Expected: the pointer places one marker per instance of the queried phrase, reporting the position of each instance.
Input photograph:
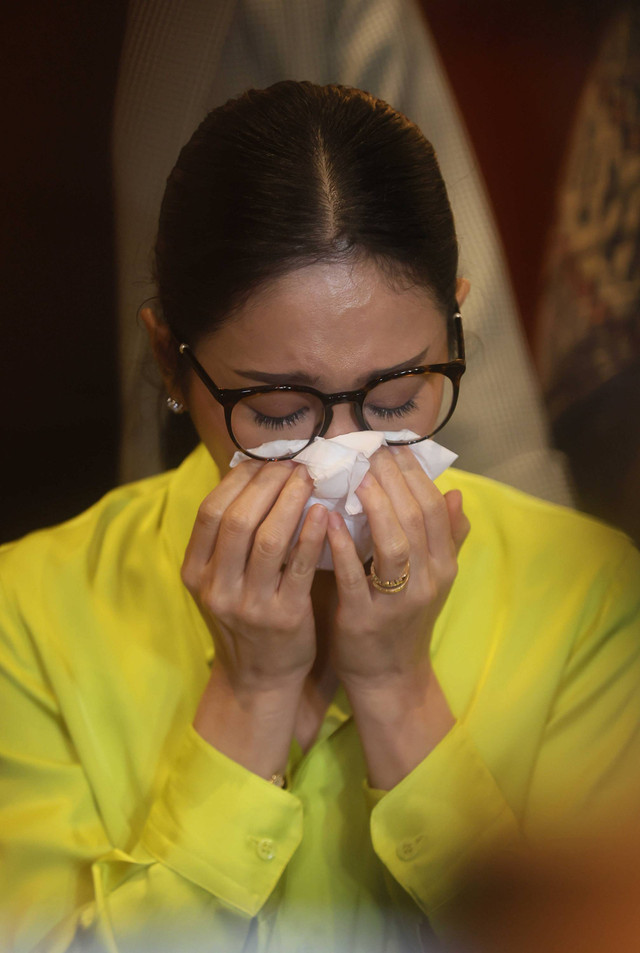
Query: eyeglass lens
(419, 402)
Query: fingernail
(301, 473)
(335, 520)
(317, 513)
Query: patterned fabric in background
(588, 345)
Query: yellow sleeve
(585, 764)
(437, 819)
(589, 757)
(212, 849)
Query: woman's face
(331, 326)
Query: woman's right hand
(258, 611)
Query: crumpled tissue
(337, 467)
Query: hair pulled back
(293, 175)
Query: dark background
(516, 68)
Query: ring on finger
(390, 585)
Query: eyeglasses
(420, 399)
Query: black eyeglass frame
(229, 397)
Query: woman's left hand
(380, 641)
(382, 637)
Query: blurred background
(548, 92)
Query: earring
(175, 406)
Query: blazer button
(265, 849)
(407, 850)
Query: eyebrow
(307, 380)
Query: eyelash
(386, 413)
(278, 423)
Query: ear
(165, 352)
(462, 290)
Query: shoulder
(538, 577)
(531, 534)
(128, 520)
(76, 596)
(56, 584)
(79, 537)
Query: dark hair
(292, 175)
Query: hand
(385, 636)
(259, 614)
(380, 642)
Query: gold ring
(390, 585)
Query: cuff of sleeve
(437, 819)
(222, 827)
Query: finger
(273, 536)
(207, 523)
(458, 520)
(391, 547)
(301, 566)
(407, 508)
(241, 520)
(435, 512)
(351, 582)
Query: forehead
(328, 321)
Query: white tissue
(337, 467)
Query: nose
(344, 420)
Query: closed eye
(279, 423)
(388, 413)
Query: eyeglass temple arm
(199, 369)
(457, 321)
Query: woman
(212, 744)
